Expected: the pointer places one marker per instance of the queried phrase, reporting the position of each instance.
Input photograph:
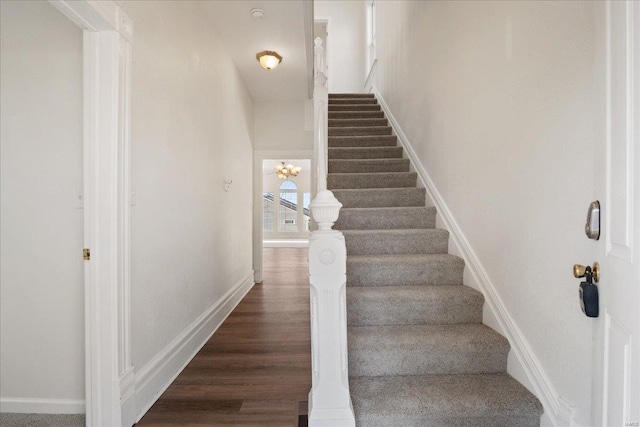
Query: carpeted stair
(419, 354)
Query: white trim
(559, 411)
(307, 6)
(107, 59)
(156, 376)
(128, 397)
(368, 82)
(96, 16)
(41, 406)
(285, 243)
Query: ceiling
(281, 29)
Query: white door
(616, 376)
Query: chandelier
(287, 171)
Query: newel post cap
(325, 209)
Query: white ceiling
(281, 29)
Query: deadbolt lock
(582, 271)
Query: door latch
(86, 254)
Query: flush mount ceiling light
(287, 171)
(268, 59)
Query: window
(306, 199)
(267, 212)
(288, 207)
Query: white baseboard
(156, 376)
(285, 243)
(42, 406)
(128, 398)
(557, 409)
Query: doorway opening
(285, 202)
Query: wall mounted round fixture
(268, 59)
(256, 14)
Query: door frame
(616, 330)
(258, 157)
(107, 59)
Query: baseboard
(368, 81)
(285, 243)
(156, 376)
(128, 398)
(558, 410)
(42, 406)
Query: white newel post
(329, 399)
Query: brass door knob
(581, 271)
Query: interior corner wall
(283, 125)
(41, 267)
(192, 128)
(502, 103)
(346, 43)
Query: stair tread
(373, 174)
(391, 209)
(351, 94)
(408, 258)
(441, 396)
(396, 232)
(428, 337)
(366, 161)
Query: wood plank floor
(256, 369)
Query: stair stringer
(525, 366)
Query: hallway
(256, 369)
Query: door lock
(588, 292)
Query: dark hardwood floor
(256, 369)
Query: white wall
(192, 127)
(283, 125)
(346, 43)
(41, 290)
(502, 105)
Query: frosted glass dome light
(268, 59)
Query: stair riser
(356, 122)
(363, 141)
(412, 421)
(372, 308)
(359, 101)
(368, 166)
(429, 241)
(351, 95)
(348, 107)
(421, 361)
(369, 219)
(355, 131)
(337, 181)
(404, 273)
(364, 153)
(346, 115)
(381, 198)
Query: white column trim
(108, 42)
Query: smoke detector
(256, 14)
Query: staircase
(419, 354)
